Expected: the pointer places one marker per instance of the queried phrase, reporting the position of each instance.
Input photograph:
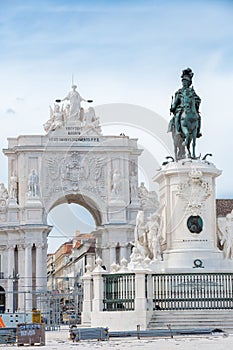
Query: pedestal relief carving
(194, 192)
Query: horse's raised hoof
(194, 157)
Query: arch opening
(83, 201)
(69, 217)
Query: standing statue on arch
(33, 184)
(186, 122)
(75, 100)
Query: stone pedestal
(117, 211)
(33, 211)
(13, 212)
(140, 291)
(187, 192)
(97, 302)
(87, 299)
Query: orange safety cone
(2, 324)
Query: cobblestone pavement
(59, 340)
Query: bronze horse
(178, 141)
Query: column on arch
(41, 276)
(10, 272)
(112, 253)
(21, 280)
(44, 265)
(40, 267)
(28, 276)
(124, 251)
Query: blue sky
(115, 32)
(118, 52)
(120, 43)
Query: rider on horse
(186, 122)
(181, 96)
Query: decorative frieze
(77, 172)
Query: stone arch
(97, 210)
(71, 163)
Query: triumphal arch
(73, 162)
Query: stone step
(194, 317)
(180, 314)
(185, 319)
(192, 312)
(204, 324)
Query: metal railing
(193, 291)
(119, 292)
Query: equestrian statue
(185, 124)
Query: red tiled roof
(84, 236)
(223, 207)
(77, 244)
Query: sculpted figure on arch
(91, 121)
(75, 100)
(33, 184)
(3, 191)
(186, 122)
(56, 119)
(13, 186)
(116, 182)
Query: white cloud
(10, 111)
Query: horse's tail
(171, 125)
